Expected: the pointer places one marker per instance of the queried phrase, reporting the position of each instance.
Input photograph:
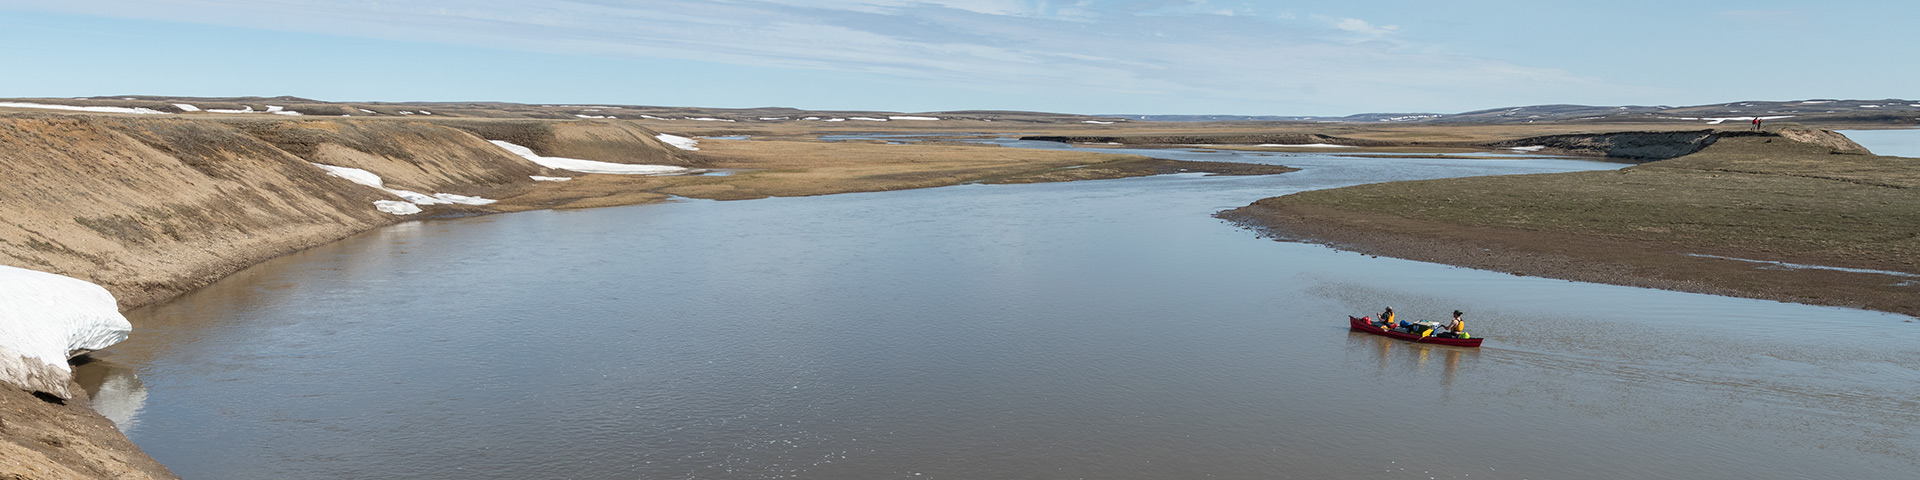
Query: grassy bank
(788, 168)
(1765, 198)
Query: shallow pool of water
(1106, 329)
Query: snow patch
(354, 175)
(587, 166)
(44, 319)
(396, 207)
(365, 110)
(1305, 145)
(869, 119)
(1096, 122)
(594, 116)
(1529, 148)
(1720, 120)
(708, 119)
(371, 179)
(186, 107)
(770, 119)
(139, 110)
(1815, 102)
(912, 117)
(538, 178)
(463, 199)
(679, 142)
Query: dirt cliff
(151, 207)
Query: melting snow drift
(679, 142)
(588, 166)
(140, 110)
(413, 198)
(44, 319)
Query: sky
(1077, 56)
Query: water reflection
(1400, 357)
(115, 389)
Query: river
(1103, 329)
(1895, 143)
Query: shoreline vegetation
(152, 207)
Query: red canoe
(1361, 325)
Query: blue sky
(1080, 56)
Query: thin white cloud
(1359, 26)
(1191, 49)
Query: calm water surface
(1897, 143)
(1107, 329)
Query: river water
(1104, 329)
(1895, 143)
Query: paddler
(1386, 319)
(1458, 327)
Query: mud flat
(1796, 215)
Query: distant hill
(1887, 111)
(1894, 111)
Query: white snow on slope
(582, 115)
(44, 318)
(1532, 148)
(354, 175)
(365, 110)
(679, 142)
(1306, 145)
(463, 199)
(870, 119)
(538, 178)
(911, 117)
(140, 110)
(708, 119)
(396, 207)
(186, 107)
(1096, 122)
(587, 166)
(371, 179)
(246, 109)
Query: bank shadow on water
(1105, 329)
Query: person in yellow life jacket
(1386, 318)
(1458, 327)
